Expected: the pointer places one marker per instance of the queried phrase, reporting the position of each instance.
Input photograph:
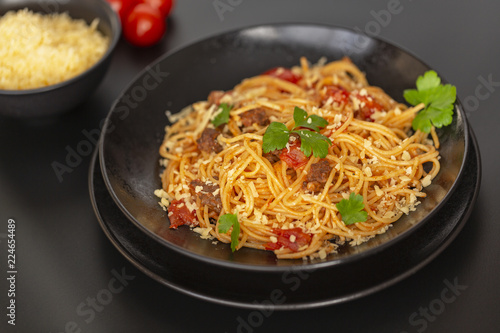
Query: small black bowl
(134, 131)
(64, 96)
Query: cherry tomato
(144, 25)
(164, 6)
(337, 93)
(122, 7)
(293, 156)
(179, 215)
(368, 107)
(283, 235)
(284, 74)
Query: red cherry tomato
(337, 93)
(368, 107)
(300, 239)
(144, 25)
(284, 74)
(293, 156)
(164, 6)
(122, 7)
(179, 214)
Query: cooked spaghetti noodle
(285, 201)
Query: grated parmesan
(406, 156)
(368, 171)
(426, 181)
(42, 50)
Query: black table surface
(70, 278)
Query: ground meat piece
(317, 176)
(273, 156)
(215, 96)
(256, 116)
(208, 141)
(208, 193)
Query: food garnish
(223, 116)
(227, 221)
(351, 209)
(438, 99)
(307, 127)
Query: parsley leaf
(438, 99)
(227, 221)
(312, 142)
(223, 116)
(276, 137)
(313, 122)
(352, 210)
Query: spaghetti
(285, 201)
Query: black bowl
(134, 130)
(67, 95)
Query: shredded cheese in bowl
(39, 50)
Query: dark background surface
(64, 259)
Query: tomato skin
(164, 6)
(179, 214)
(283, 74)
(122, 7)
(370, 106)
(293, 156)
(144, 26)
(337, 93)
(283, 236)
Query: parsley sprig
(439, 100)
(223, 116)
(351, 210)
(227, 221)
(307, 127)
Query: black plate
(299, 288)
(135, 127)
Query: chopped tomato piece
(368, 106)
(292, 239)
(179, 214)
(338, 94)
(293, 156)
(284, 74)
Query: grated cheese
(368, 171)
(405, 178)
(406, 156)
(42, 50)
(426, 181)
(204, 232)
